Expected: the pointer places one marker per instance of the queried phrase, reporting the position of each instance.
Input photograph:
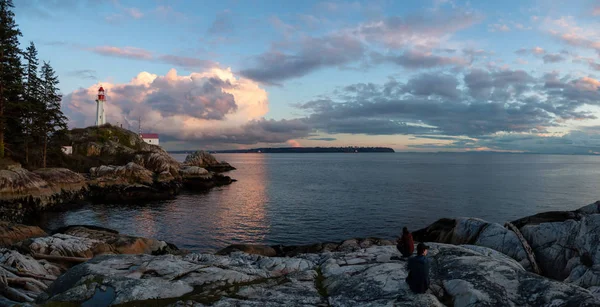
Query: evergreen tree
(33, 104)
(53, 120)
(11, 73)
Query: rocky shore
(108, 164)
(473, 263)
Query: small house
(67, 150)
(150, 138)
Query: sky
(416, 76)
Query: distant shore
(302, 150)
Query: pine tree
(11, 73)
(33, 104)
(53, 120)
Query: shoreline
(85, 260)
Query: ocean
(307, 198)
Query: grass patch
(320, 285)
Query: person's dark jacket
(406, 245)
(418, 274)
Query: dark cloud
(201, 99)
(491, 102)
(429, 84)
(254, 132)
(415, 35)
(413, 59)
(186, 62)
(84, 74)
(553, 58)
(322, 139)
(223, 24)
(575, 142)
(314, 53)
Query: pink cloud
(213, 106)
(134, 12)
(125, 52)
(293, 143)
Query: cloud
(566, 30)
(591, 62)
(419, 59)
(426, 29)
(142, 54)
(134, 12)
(490, 102)
(430, 84)
(209, 107)
(125, 52)
(578, 141)
(52, 8)
(553, 58)
(322, 139)
(313, 53)
(544, 55)
(84, 74)
(415, 35)
(498, 28)
(293, 143)
(222, 24)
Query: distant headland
(302, 150)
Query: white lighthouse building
(100, 118)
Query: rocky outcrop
(33, 264)
(350, 245)
(461, 276)
(23, 278)
(11, 233)
(475, 232)
(199, 179)
(90, 241)
(130, 182)
(207, 161)
(568, 250)
(23, 193)
(565, 244)
(158, 161)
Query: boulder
(90, 241)
(23, 193)
(476, 232)
(568, 250)
(26, 278)
(131, 182)
(294, 250)
(131, 173)
(461, 276)
(158, 161)
(196, 178)
(11, 233)
(207, 161)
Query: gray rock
(461, 275)
(568, 250)
(475, 232)
(205, 160)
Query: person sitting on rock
(418, 270)
(406, 245)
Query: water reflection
(196, 221)
(307, 198)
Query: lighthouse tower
(100, 119)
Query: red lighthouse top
(101, 94)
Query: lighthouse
(100, 119)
